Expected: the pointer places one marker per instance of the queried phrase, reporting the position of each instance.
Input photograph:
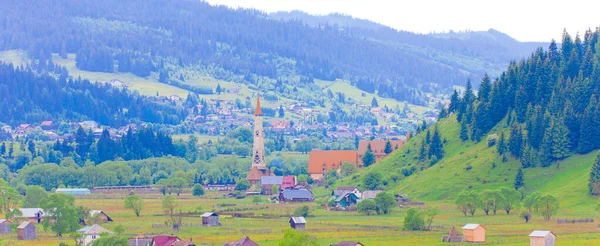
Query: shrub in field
(303, 211)
(366, 206)
(256, 199)
(416, 220)
(297, 238)
(198, 190)
(384, 202)
(135, 203)
(547, 205)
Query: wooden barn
(26, 231)
(100, 216)
(474, 233)
(542, 238)
(453, 236)
(298, 223)
(245, 241)
(210, 219)
(5, 226)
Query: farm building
(287, 182)
(245, 241)
(210, 219)
(453, 236)
(345, 189)
(542, 238)
(296, 195)
(346, 199)
(474, 233)
(347, 243)
(26, 231)
(378, 148)
(370, 194)
(298, 223)
(100, 216)
(33, 215)
(91, 233)
(74, 191)
(5, 226)
(321, 161)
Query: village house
(210, 219)
(378, 148)
(347, 243)
(267, 183)
(89, 234)
(100, 216)
(169, 241)
(26, 231)
(321, 161)
(5, 227)
(474, 233)
(280, 124)
(245, 241)
(298, 223)
(89, 124)
(33, 215)
(542, 238)
(370, 194)
(287, 182)
(340, 190)
(48, 125)
(347, 199)
(296, 195)
(6, 128)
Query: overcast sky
(525, 20)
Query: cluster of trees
(507, 199)
(550, 102)
(419, 220)
(382, 204)
(163, 77)
(28, 98)
(432, 147)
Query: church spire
(258, 111)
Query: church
(259, 166)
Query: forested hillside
(28, 97)
(143, 36)
(539, 113)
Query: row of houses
(476, 233)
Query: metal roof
(471, 226)
(540, 233)
(31, 212)
(93, 230)
(72, 189)
(271, 180)
(297, 194)
(208, 214)
(298, 220)
(23, 225)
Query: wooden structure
(5, 226)
(346, 199)
(474, 233)
(296, 195)
(321, 161)
(542, 238)
(347, 243)
(26, 231)
(453, 236)
(89, 234)
(245, 241)
(210, 219)
(33, 215)
(100, 216)
(298, 223)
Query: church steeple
(258, 111)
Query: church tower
(259, 166)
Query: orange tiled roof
(255, 174)
(329, 159)
(378, 146)
(258, 111)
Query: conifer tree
(219, 90)
(464, 130)
(515, 143)
(369, 158)
(428, 137)
(501, 146)
(374, 103)
(519, 180)
(560, 139)
(436, 148)
(388, 148)
(454, 102)
(588, 135)
(423, 152)
(281, 112)
(3, 149)
(594, 181)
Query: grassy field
(327, 226)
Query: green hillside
(567, 180)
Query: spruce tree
(31, 147)
(519, 180)
(588, 134)
(464, 130)
(11, 150)
(3, 149)
(594, 181)
(374, 103)
(219, 90)
(501, 146)
(454, 102)
(281, 112)
(436, 148)
(560, 140)
(423, 152)
(388, 148)
(515, 143)
(369, 158)
(428, 137)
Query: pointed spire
(258, 111)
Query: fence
(566, 221)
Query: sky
(524, 20)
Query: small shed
(542, 238)
(210, 219)
(26, 231)
(298, 223)
(348, 243)
(5, 226)
(453, 236)
(474, 233)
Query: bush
(303, 211)
(413, 221)
(256, 199)
(384, 203)
(408, 171)
(198, 190)
(367, 207)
